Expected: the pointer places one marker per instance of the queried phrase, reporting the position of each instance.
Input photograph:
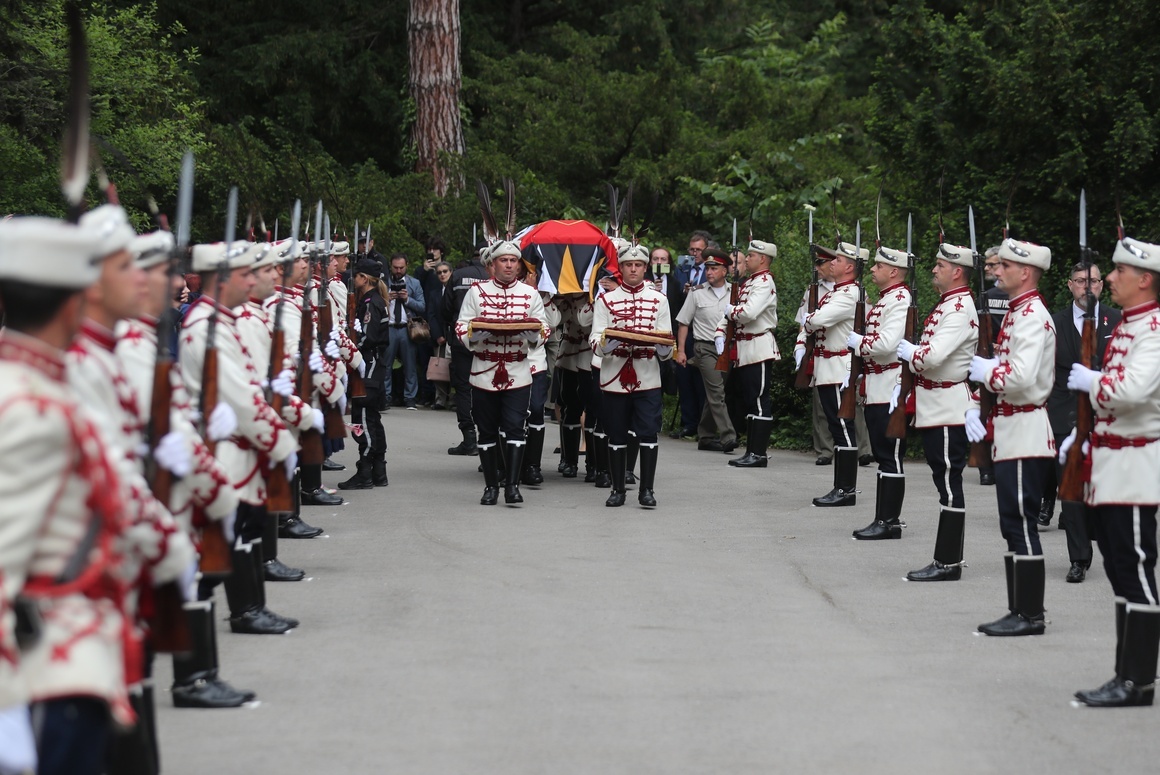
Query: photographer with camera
(405, 301)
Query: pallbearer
(500, 321)
(885, 326)
(832, 322)
(538, 363)
(1125, 457)
(574, 370)
(1021, 376)
(941, 397)
(755, 321)
(632, 330)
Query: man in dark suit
(690, 389)
(1061, 405)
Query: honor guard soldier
(500, 321)
(624, 322)
(574, 370)
(205, 489)
(885, 327)
(703, 309)
(1021, 376)
(262, 438)
(833, 321)
(754, 319)
(1124, 458)
(941, 397)
(63, 522)
(538, 363)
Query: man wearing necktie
(405, 300)
(690, 388)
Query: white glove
(663, 350)
(317, 420)
(531, 336)
(188, 582)
(17, 744)
(357, 323)
(798, 354)
(976, 431)
(906, 350)
(174, 455)
(195, 415)
(333, 351)
(228, 522)
(283, 384)
(362, 368)
(479, 336)
(222, 422)
(1081, 378)
(720, 344)
(316, 363)
(845, 383)
(981, 368)
(341, 403)
(609, 345)
(1066, 445)
(854, 341)
(894, 396)
(291, 465)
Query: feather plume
(509, 189)
(74, 158)
(626, 223)
(613, 210)
(490, 232)
(646, 222)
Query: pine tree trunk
(433, 36)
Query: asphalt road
(734, 629)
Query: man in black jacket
(1061, 405)
(461, 281)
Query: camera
(430, 256)
(685, 260)
(665, 269)
(398, 285)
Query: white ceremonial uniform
(832, 322)
(261, 435)
(328, 382)
(1125, 455)
(60, 491)
(538, 355)
(256, 330)
(1022, 380)
(500, 362)
(942, 359)
(630, 368)
(885, 326)
(755, 316)
(575, 326)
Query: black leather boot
(570, 450)
(379, 469)
(630, 456)
(648, 474)
(489, 459)
(948, 548)
(887, 507)
(466, 447)
(514, 462)
(533, 453)
(1046, 509)
(362, 477)
(1027, 616)
(845, 492)
(195, 675)
(275, 569)
(589, 456)
(292, 526)
(756, 442)
(1138, 641)
(321, 497)
(602, 480)
(616, 462)
(246, 596)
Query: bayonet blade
(231, 219)
(295, 219)
(1082, 218)
(810, 210)
(734, 244)
(318, 225)
(971, 226)
(326, 231)
(909, 232)
(857, 238)
(74, 158)
(369, 237)
(275, 230)
(184, 201)
(355, 251)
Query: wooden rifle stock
(850, 394)
(725, 360)
(896, 427)
(1071, 482)
(279, 498)
(311, 440)
(215, 549)
(806, 372)
(358, 387)
(980, 454)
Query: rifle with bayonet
(849, 398)
(335, 427)
(806, 372)
(896, 427)
(980, 453)
(728, 356)
(357, 383)
(215, 550)
(310, 439)
(1072, 480)
(279, 494)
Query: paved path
(735, 629)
